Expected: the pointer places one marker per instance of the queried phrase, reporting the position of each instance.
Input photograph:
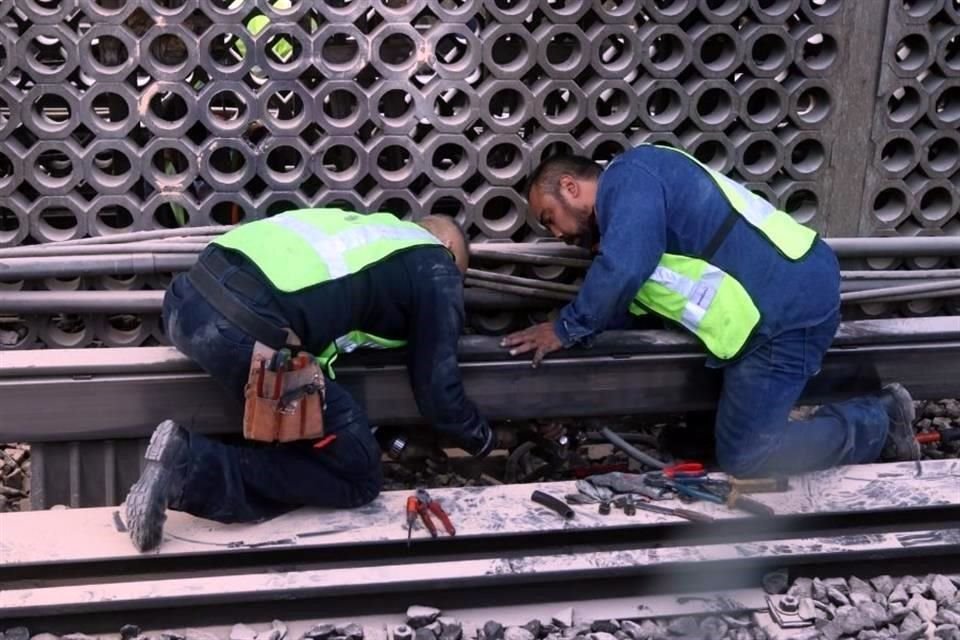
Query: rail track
(75, 570)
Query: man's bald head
(448, 232)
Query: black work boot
(161, 479)
(901, 440)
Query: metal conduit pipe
(492, 276)
(872, 285)
(523, 291)
(46, 251)
(15, 269)
(641, 457)
(145, 235)
(916, 274)
(909, 297)
(860, 296)
(530, 258)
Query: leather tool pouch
(284, 397)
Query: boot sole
(146, 506)
(909, 413)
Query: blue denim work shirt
(652, 201)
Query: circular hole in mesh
(903, 105)
(124, 325)
(508, 50)
(280, 206)
(110, 108)
(560, 105)
(712, 153)
(500, 213)
(398, 207)
(53, 168)
(66, 329)
(52, 108)
(564, 7)
(556, 149)
(9, 225)
(769, 52)
(111, 162)
(670, 8)
(227, 161)
(666, 52)
(109, 51)
(505, 104)
(169, 161)
(813, 105)
(447, 206)
(451, 104)
(227, 106)
(718, 52)
(612, 105)
(168, 106)
(808, 156)
(505, 158)
(714, 106)
(764, 105)
(947, 106)
(606, 151)
(227, 212)
(613, 49)
(6, 168)
(340, 49)
(227, 51)
(284, 159)
(819, 51)
(340, 105)
(664, 105)
(168, 50)
(58, 223)
(48, 52)
(919, 8)
(510, 6)
(943, 154)
(394, 104)
(452, 48)
(167, 6)
(48, 7)
(722, 7)
(171, 216)
(563, 49)
(951, 53)
(448, 157)
(115, 217)
(340, 159)
(824, 8)
(912, 52)
(802, 205)
(897, 155)
(760, 157)
(397, 49)
(285, 105)
(889, 204)
(936, 204)
(395, 161)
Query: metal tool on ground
(686, 514)
(773, 484)
(429, 505)
(710, 490)
(947, 435)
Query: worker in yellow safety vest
(328, 281)
(759, 290)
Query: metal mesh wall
(118, 115)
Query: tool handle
(738, 501)
(427, 522)
(552, 503)
(693, 516)
(438, 511)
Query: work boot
(901, 441)
(161, 480)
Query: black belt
(205, 277)
(725, 227)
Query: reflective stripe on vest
(710, 303)
(790, 237)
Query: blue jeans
(252, 481)
(754, 435)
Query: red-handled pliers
(428, 505)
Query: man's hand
(541, 339)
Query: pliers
(423, 504)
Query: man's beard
(587, 231)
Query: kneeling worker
(329, 281)
(761, 292)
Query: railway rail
(83, 574)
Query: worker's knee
(742, 463)
(368, 489)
